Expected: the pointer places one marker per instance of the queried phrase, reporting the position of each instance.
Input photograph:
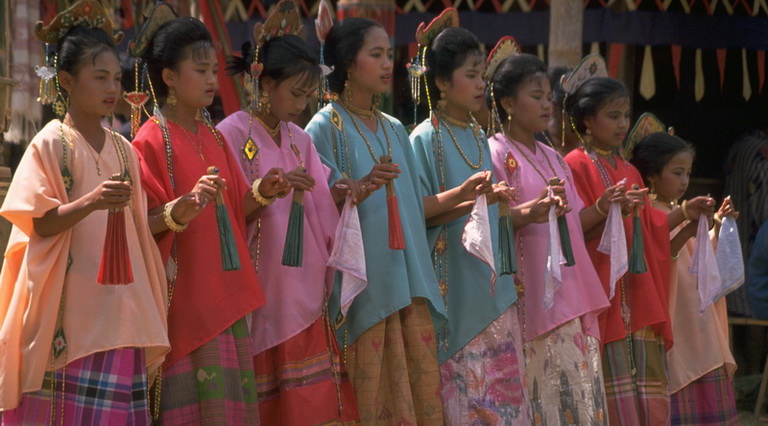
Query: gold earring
(589, 131)
(652, 193)
(264, 106)
(171, 99)
(375, 102)
(347, 94)
(441, 103)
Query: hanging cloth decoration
(704, 265)
(508, 265)
(614, 244)
(677, 51)
(730, 262)
(348, 255)
(396, 238)
(698, 80)
(760, 70)
(637, 263)
(746, 85)
(720, 54)
(477, 239)
(230, 259)
(115, 266)
(293, 251)
(553, 278)
(647, 75)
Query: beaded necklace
(365, 139)
(522, 150)
(443, 118)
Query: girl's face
(673, 180)
(465, 90)
(531, 109)
(289, 97)
(95, 88)
(194, 81)
(371, 72)
(610, 124)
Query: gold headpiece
(590, 67)
(85, 13)
(159, 15)
(505, 48)
(645, 125)
(425, 33)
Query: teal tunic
(394, 276)
(471, 307)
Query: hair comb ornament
(644, 126)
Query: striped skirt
(213, 385)
(642, 398)
(484, 382)
(565, 377)
(707, 401)
(105, 388)
(302, 382)
(393, 367)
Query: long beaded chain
(442, 119)
(522, 150)
(367, 143)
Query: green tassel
(565, 241)
(637, 254)
(293, 251)
(230, 260)
(507, 246)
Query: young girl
(700, 363)
(388, 335)
(480, 349)
(208, 376)
(562, 341)
(73, 348)
(293, 328)
(636, 329)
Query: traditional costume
(636, 328)
(75, 350)
(208, 376)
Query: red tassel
(115, 267)
(676, 55)
(396, 238)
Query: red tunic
(648, 293)
(206, 299)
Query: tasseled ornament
(136, 100)
(508, 265)
(230, 259)
(637, 252)
(396, 238)
(115, 267)
(47, 84)
(565, 234)
(293, 251)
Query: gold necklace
(91, 150)
(196, 142)
(272, 131)
(455, 121)
(602, 152)
(365, 114)
(528, 159)
(370, 147)
(461, 151)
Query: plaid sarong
(104, 388)
(214, 384)
(642, 399)
(707, 401)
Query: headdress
(425, 34)
(84, 13)
(158, 16)
(645, 125)
(323, 25)
(591, 66)
(505, 48)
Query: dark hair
(341, 47)
(81, 43)
(283, 57)
(512, 73)
(654, 152)
(175, 41)
(591, 96)
(555, 75)
(447, 52)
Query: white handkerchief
(614, 244)
(553, 277)
(477, 237)
(348, 255)
(704, 265)
(730, 262)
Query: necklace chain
(367, 143)
(458, 147)
(365, 114)
(530, 161)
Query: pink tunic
(581, 295)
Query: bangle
(172, 224)
(718, 219)
(676, 256)
(685, 213)
(627, 215)
(599, 210)
(264, 201)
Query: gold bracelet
(718, 219)
(264, 201)
(676, 256)
(599, 210)
(172, 224)
(685, 213)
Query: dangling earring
(375, 102)
(171, 99)
(652, 193)
(347, 94)
(442, 102)
(265, 107)
(61, 105)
